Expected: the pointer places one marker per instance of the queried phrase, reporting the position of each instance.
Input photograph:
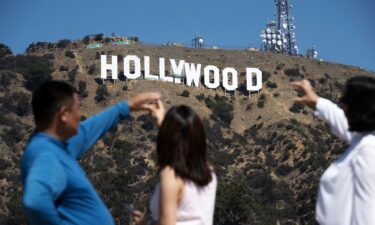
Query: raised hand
(310, 98)
(157, 111)
(140, 101)
(139, 218)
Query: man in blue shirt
(56, 189)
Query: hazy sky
(343, 31)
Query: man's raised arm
(96, 126)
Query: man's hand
(140, 101)
(139, 218)
(157, 111)
(310, 98)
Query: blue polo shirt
(56, 190)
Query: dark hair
(359, 98)
(182, 145)
(48, 99)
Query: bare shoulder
(169, 178)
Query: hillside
(268, 152)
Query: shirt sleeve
(44, 183)
(363, 209)
(93, 128)
(335, 117)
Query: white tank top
(196, 206)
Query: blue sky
(343, 31)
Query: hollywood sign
(181, 72)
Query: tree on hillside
(4, 50)
(86, 39)
(34, 69)
(16, 102)
(6, 79)
(82, 88)
(63, 43)
(101, 93)
(99, 37)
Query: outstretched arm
(44, 183)
(325, 109)
(335, 116)
(93, 128)
(96, 126)
(171, 191)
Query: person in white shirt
(186, 192)
(347, 188)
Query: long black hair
(182, 145)
(359, 99)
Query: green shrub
(296, 108)
(5, 80)
(82, 88)
(265, 75)
(200, 97)
(70, 54)
(16, 102)
(12, 136)
(63, 43)
(4, 50)
(86, 39)
(221, 108)
(294, 72)
(92, 69)
(185, 93)
(34, 69)
(63, 68)
(146, 122)
(261, 101)
(280, 66)
(72, 75)
(101, 93)
(99, 37)
(4, 164)
(271, 84)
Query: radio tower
(279, 35)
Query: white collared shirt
(347, 188)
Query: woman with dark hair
(347, 188)
(187, 188)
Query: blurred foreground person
(55, 188)
(187, 188)
(347, 188)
